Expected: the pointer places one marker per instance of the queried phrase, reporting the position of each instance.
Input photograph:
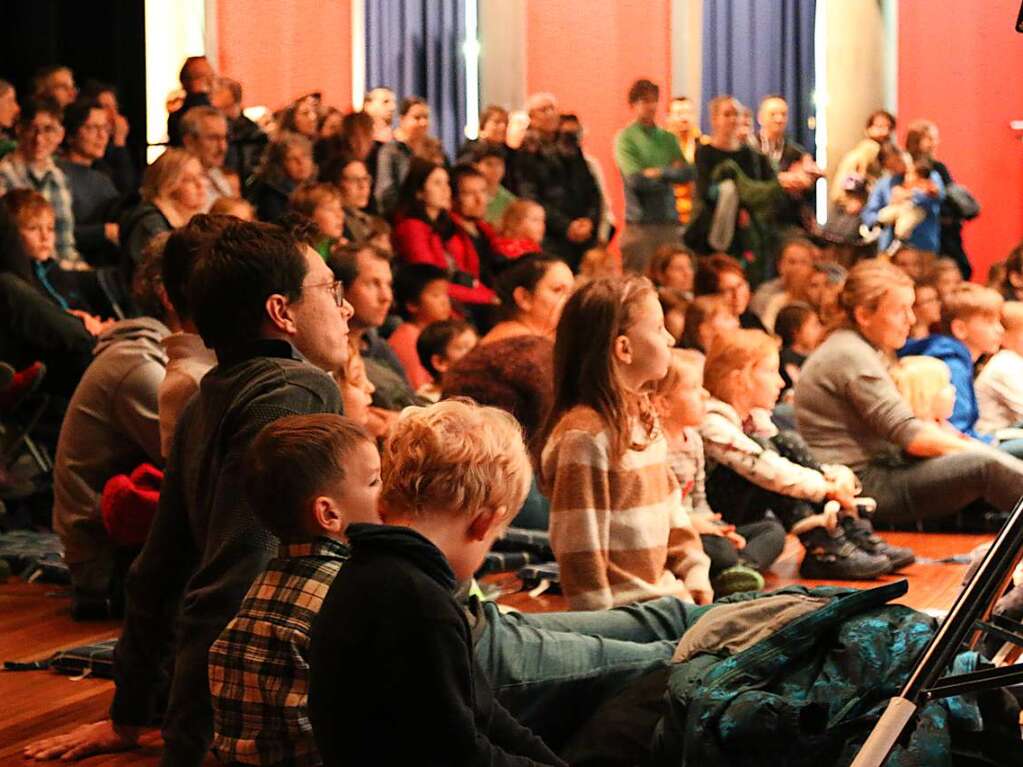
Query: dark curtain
(752, 48)
(99, 39)
(414, 47)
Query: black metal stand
(970, 618)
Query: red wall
(281, 49)
(960, 66)
(588, 54)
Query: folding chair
(968, 621)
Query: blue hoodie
(927, 235)
(960, 364)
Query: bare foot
(98, 738)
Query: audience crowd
(669, 396)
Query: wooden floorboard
(35, 621)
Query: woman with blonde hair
(172, 192)
(850, 412)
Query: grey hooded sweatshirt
(112, 425)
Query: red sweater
(416, 242)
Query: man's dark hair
(147, 280)
(485, 149)
(94, 88)
(344, 262)
(292, 461)
(183, 76)
(232, 279)
(408, 102)
(43, 74)
(76, 114)
(643, 89)
(183, 249)
(459, 173)
(301, 227)
(789, 320)
(46, 106)
(888, 150)
(434, 340)
(410, 280)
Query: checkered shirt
(53, 185)
(258, 668)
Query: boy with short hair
(394, 678)
(421, 297)
(307, 477)
(971, 326)
(439, 346)
(999, 386)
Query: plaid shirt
(259, 673)
(53, 185)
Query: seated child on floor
(706, 318)
(999, 387)
(439, 346)
(604, 462)
(753, 468)
(800, 331)
(393, 676)
(736, 554)
(307, 477)
(421, 297)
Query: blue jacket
(927, 236)
(960, 364)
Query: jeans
(929, 488)
(552, 670)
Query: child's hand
(702, 595)
(737, 540)
(705, 524)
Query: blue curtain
(755, 47)
(415, 48)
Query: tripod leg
(885, 733)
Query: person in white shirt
(999, 387)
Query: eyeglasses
(42, 130)
(104, 128)
(336, 288)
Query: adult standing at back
(410, 140)
(651, 164)
(196, 78)
(922, 140)
(794, 165)
(849, 412)
(558, 178)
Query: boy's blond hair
(969, 300)
(740, 350)
(682, 364)
(455, 457)
(919, 380)
(1012, 315)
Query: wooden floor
(35, 622)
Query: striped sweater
(620, 533)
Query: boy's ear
(439, 362)
(958, 328)
(327, 515)
(485, 521)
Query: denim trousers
(552, 670)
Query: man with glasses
(31, 166)
(94, 197)
(204, 133)
(275, 316)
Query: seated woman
(302, 117)
(353, 180)
(411, 139)
(287, 164)
(172, 192)
(424, 233)
(850, 412)
(673, 266)
(723, 275)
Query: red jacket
(416, 242)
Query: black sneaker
(861, 533)
(832, 556)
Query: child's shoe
(736, 579)
(832, 556)
(861, 533)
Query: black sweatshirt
(393, 678)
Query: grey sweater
(847, 407)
